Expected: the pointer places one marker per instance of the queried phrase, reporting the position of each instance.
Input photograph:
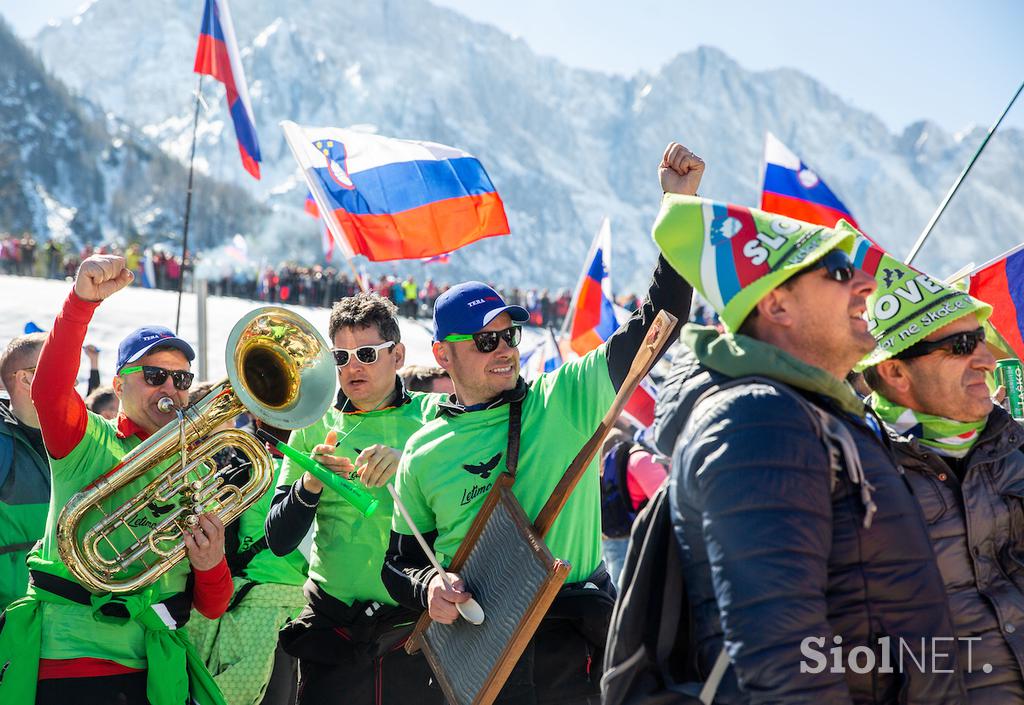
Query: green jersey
(348, 548)
(449, 466)
(70, 630)
(265, 567)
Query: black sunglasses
(367, 354)
(957, 344)
(487, 341)
(840, 267)
(155, 376)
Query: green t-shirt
(348, 548)
(448, 467)
(265, 567)
(71, 631)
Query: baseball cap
(468, 307)
(141, 340)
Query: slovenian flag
(593, 309)
(1000, 284)
(792, 189)
(391, 199)
(217, 56)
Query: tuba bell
(280, 370)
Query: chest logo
(483, 469)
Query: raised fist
(680, 170)
(99, 276)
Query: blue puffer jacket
(777, 559)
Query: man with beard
(790, 548)
(962, 457)
(448, 467)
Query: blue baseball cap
(141, 340)
(468, 307)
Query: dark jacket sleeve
(407, 571)
(752, 509)
(667, 291)
(288, 520)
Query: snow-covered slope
(564, 146)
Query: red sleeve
(212, 590)
(62, 413)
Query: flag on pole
(1000, 283)
(593, 308)
(794, 190)
(147, 276)
(217, 56)
(394, 199)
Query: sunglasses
(487, 341)
(957, 344)
(155, 376)
(367, 354)
(840, 267)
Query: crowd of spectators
(316, 285)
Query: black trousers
(396, 678)
(283, 686)
(558, 667)
(126, 689)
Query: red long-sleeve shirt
(63, 418)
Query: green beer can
(1010, 375)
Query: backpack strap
(515, 430)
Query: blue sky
(951, 61)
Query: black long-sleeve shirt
(407, 572)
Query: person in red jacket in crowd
(61, 639)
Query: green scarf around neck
(947, 437)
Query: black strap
(15, 547)
(178, 605)
(515, 429)
(240, 594)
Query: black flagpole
(963, 175)
(188, 203)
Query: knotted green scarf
(945, 436)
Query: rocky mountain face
(70, 171)
(563, 146)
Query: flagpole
(188, 203)
(571, 313)
(956, 185)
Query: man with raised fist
(62, 638)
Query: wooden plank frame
(531, 534)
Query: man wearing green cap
(804, 555)
(963, 460)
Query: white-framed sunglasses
(366, 354)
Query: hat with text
(141, 340)
(734, 255)
(468, 307)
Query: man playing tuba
(61, 641)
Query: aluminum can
(1010, 374)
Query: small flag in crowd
(217, 55)
(640, 407)
(147, 276)
(394, 199)
(593, 309)
(1000, 284)
(546, 357)
(437, 259)
(326, 241)
(792, 189)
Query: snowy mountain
(564, 146)
(69, 170)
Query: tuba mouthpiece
(166, 405)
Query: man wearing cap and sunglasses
(62, 642)
(807, 568)
(448, 467)
(349, 638)
(962, 457)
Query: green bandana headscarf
(945, 436)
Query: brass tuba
(280, 370)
